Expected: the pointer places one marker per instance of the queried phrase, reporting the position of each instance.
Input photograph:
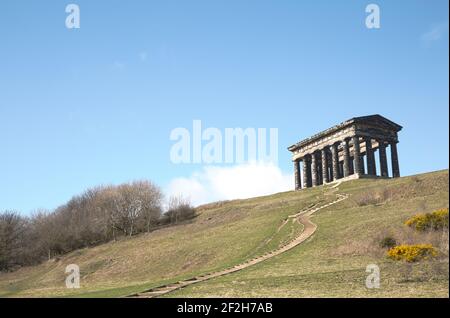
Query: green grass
(330, 264)
(333, 262)
(217, 238)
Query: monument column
(357, 155)
(394, 159)
(335, 161)
(352, 168)
(346, 166)
(330, 166)
(371, 169)
(324, 165)
(298, 181)
(306, 172)
(363, 165)
(383, 159)
(315, 177)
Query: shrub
(179, 209)
(412, 253)
(436, 220)
(388, 242)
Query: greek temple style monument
(347, 151)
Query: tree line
(99, 215)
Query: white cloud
(437, 32)
(214, 183)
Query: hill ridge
(223, 236)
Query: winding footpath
(303, 217)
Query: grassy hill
(332, 263)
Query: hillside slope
(332, 263)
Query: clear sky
(96, 105)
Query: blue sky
(96, 105)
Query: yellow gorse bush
(435, 220)
(412, 253)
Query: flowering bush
(412, 253)
(435, 220)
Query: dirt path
(302, 217)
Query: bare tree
(150, 197)
(12, 230)
(179, 208)
(97, 215)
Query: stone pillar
(306, 172)
(374, 162)
(330, 166)
(394, 159)
(371, 169)
(319, 169)
(346, 167)
(357, 155)
(298, 181)
(352, 168)
(383, 159)
(335, 161)
(315, 176)
(324, 165)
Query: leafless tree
(179, 208)
(150, 197)
(97, 215)
(12, 230)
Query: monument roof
(371, 119)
